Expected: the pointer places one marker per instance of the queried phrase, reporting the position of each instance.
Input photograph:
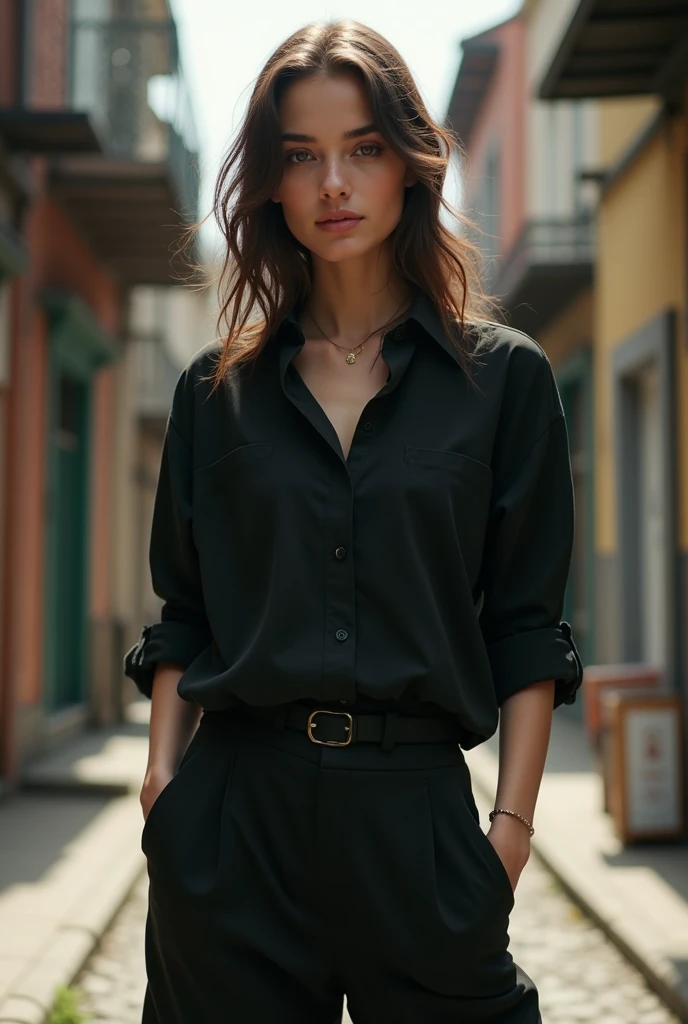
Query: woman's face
(324, 171)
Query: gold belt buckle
(330, 743)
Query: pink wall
(25, 490)
(50, 49)
(59, 257)
(503, 114)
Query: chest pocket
(441, 483)
(245, 453)
(470, 469)
(231, 496)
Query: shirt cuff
(536, 655)
(178, 643)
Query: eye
(371, 145)
(295, 152)
(291, 157)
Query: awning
(48, 131)
(621, 48)
(134, 214)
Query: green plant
(66, 1007)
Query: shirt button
(341, 634)
(368, 426)
(340, 552)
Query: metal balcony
(549, 265)
(134, 200)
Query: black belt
(331, 728)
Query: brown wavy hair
(266, 269)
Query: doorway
(651, 519)
(645, 457)
(66, 612)
(574, 380)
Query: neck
(350, 302)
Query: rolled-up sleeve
(527, 555)
(183, 631)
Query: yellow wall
(641, 271)
(620, 122)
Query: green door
(78, 348)
(68, 530)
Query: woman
(361, 536)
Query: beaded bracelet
(503, 810)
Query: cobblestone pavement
(580, 975)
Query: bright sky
(224, 45)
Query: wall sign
(645, 769)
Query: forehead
(330, 100)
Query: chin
(342, 254)
(335, 253)
(336, 249)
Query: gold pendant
(351, 358)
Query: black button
(341, 634)
(368, 425)
(340, 552)
(400, 332)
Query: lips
(340, 226)
(339, 215)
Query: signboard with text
(646, 773)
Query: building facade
(633, 62)
(526, 184)
(98, 176)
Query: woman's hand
(153, 784)
(511, 840)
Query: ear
(410, 179)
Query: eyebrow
(354, 133)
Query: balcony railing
(549, 265)
(565, 243)
(127, 74)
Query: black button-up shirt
(427, 569)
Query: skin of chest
(341, 390)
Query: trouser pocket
(470, 890)
(186, 835)
(492, 855)
(165, 793)
(459, 842)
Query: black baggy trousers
(284, 874)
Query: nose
(334, 181)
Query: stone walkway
(71, 854)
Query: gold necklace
(357, 349)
